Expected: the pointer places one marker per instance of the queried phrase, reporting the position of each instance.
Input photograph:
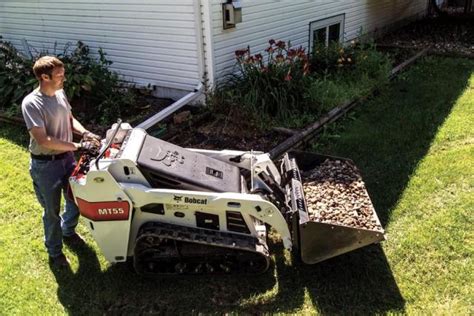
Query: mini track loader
(173, 210)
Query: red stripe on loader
(104, 211)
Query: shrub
(16, 78)
(341, 73)
(97, 93)
(287, 87)
(274, 87)
(334, 57)
(373, 65)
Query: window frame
(326, 23)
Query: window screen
(326, 31)
(320, 36)
(334, 33)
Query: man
(48, 117)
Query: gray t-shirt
(53, 113)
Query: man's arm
(86, 135)
(39, 134)
(77, 126)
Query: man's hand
(88, 146)
(91, 137)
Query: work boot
(74, 240)
(59, 261)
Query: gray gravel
(336, 194)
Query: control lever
(109, 143)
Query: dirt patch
(144, 107)
(444, 35)
(207, 130)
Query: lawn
(414, 144)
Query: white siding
(289, 20)
(156, 41)
(149, 41)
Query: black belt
(50, 157)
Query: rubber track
(167, 249)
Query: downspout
(201, 70)
(172, 108)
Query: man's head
(49, 70)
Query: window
(326, 31)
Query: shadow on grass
(394, 131)
(118, 290)
(14, 133)
(358, 282)
(390, 137)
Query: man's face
(57, 78)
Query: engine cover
(169, 166)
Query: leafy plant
(334, 57)
(16, 78)
(343, 73)
(97, 93)
(286, 87)
(272, 87)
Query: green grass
(415, 146)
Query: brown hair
(45, 65)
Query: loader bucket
(316, 240)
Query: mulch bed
(443, 35)
(235, 131)
(145, 107)
(207, 130)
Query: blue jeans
(50, 179)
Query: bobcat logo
(169, 158)
(178, 198)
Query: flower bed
(282, 86)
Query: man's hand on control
(89, 146)
(91, 137)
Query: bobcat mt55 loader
(172, 210)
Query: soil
(443, 35)
(203, 128)
(207, 130)
(145, 107)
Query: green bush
(373, 65)
(97, 93)
(16, 78)
(357, 71)
(274, 87)
(289, 88)
(335, 57)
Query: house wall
(149, 41)
(289, 20)
(159, 42)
